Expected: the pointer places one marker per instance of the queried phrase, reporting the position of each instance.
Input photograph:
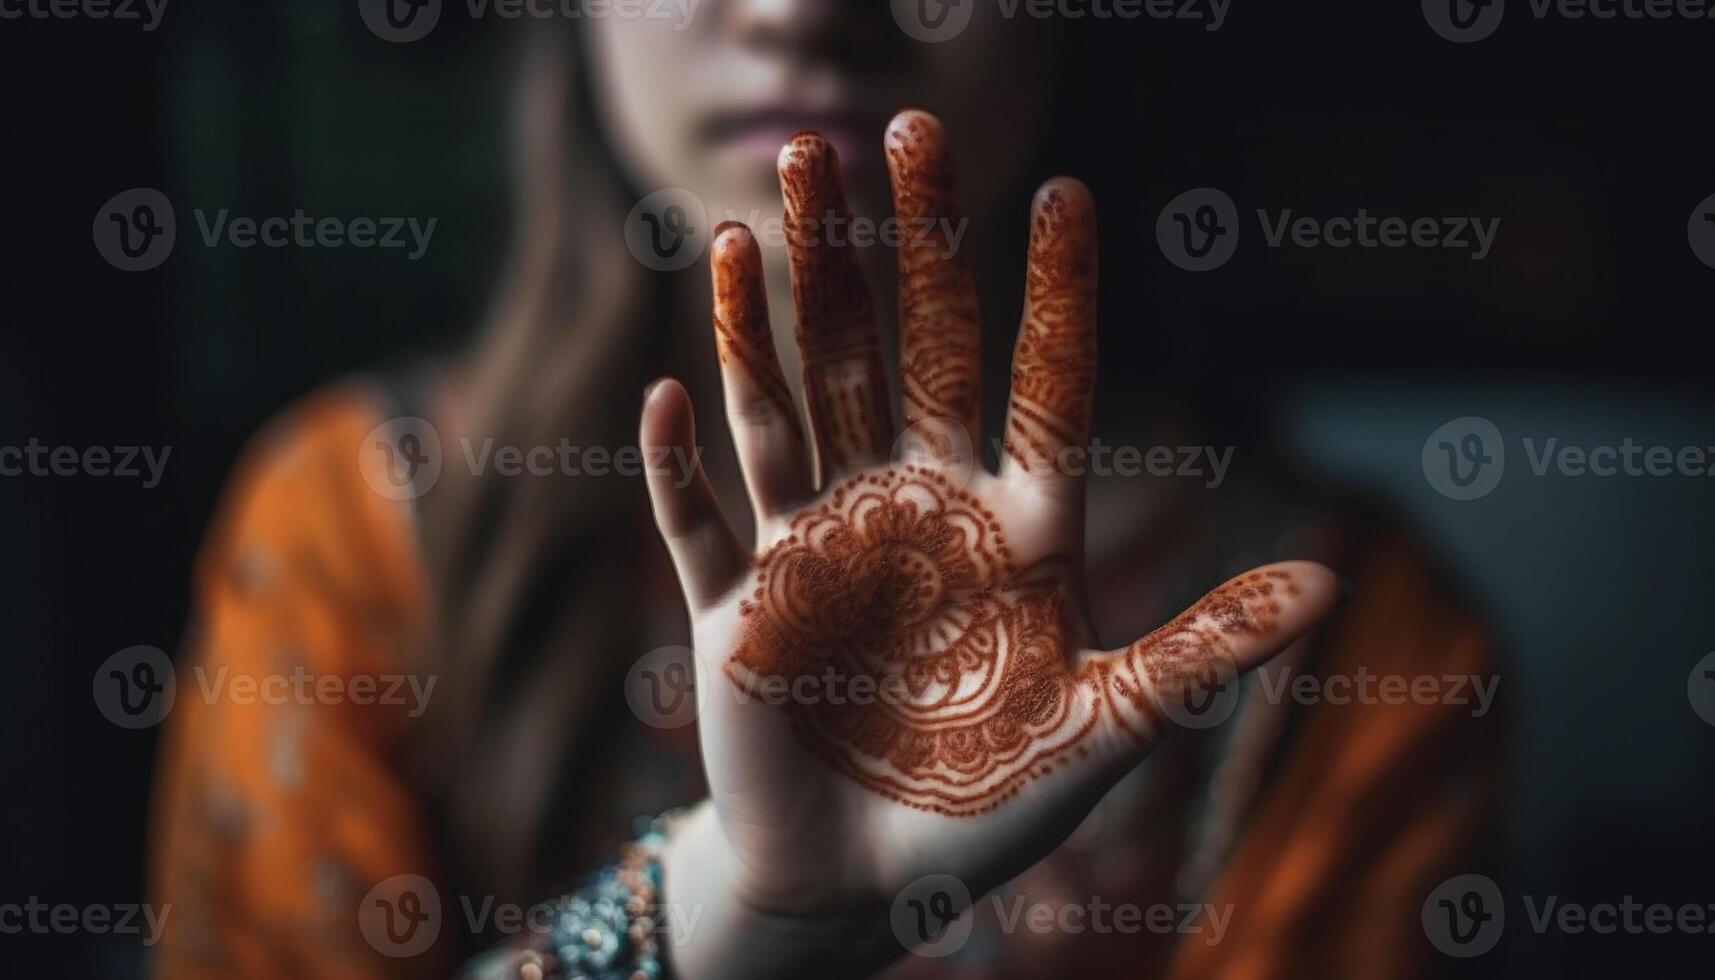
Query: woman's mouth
(759, 134)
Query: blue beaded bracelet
(607, 930)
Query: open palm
(901, 679)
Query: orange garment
(274, 822)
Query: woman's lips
(856, 137)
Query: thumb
(1172, 674)
(706, 554)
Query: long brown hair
(529, 575)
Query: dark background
(1592, 141)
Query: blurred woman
(289, 837)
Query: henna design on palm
(906, 582)
(958, 603)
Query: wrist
(713, 933)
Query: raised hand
(901, 678)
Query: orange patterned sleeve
(280, 802)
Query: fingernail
(649, 389)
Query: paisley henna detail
(940, 359)
(1054, 364)
(844, 381)
(742, 336)
(903, 579)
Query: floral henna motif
(939, 327)
(844, 381)
(1054, 365)
(906, 582)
